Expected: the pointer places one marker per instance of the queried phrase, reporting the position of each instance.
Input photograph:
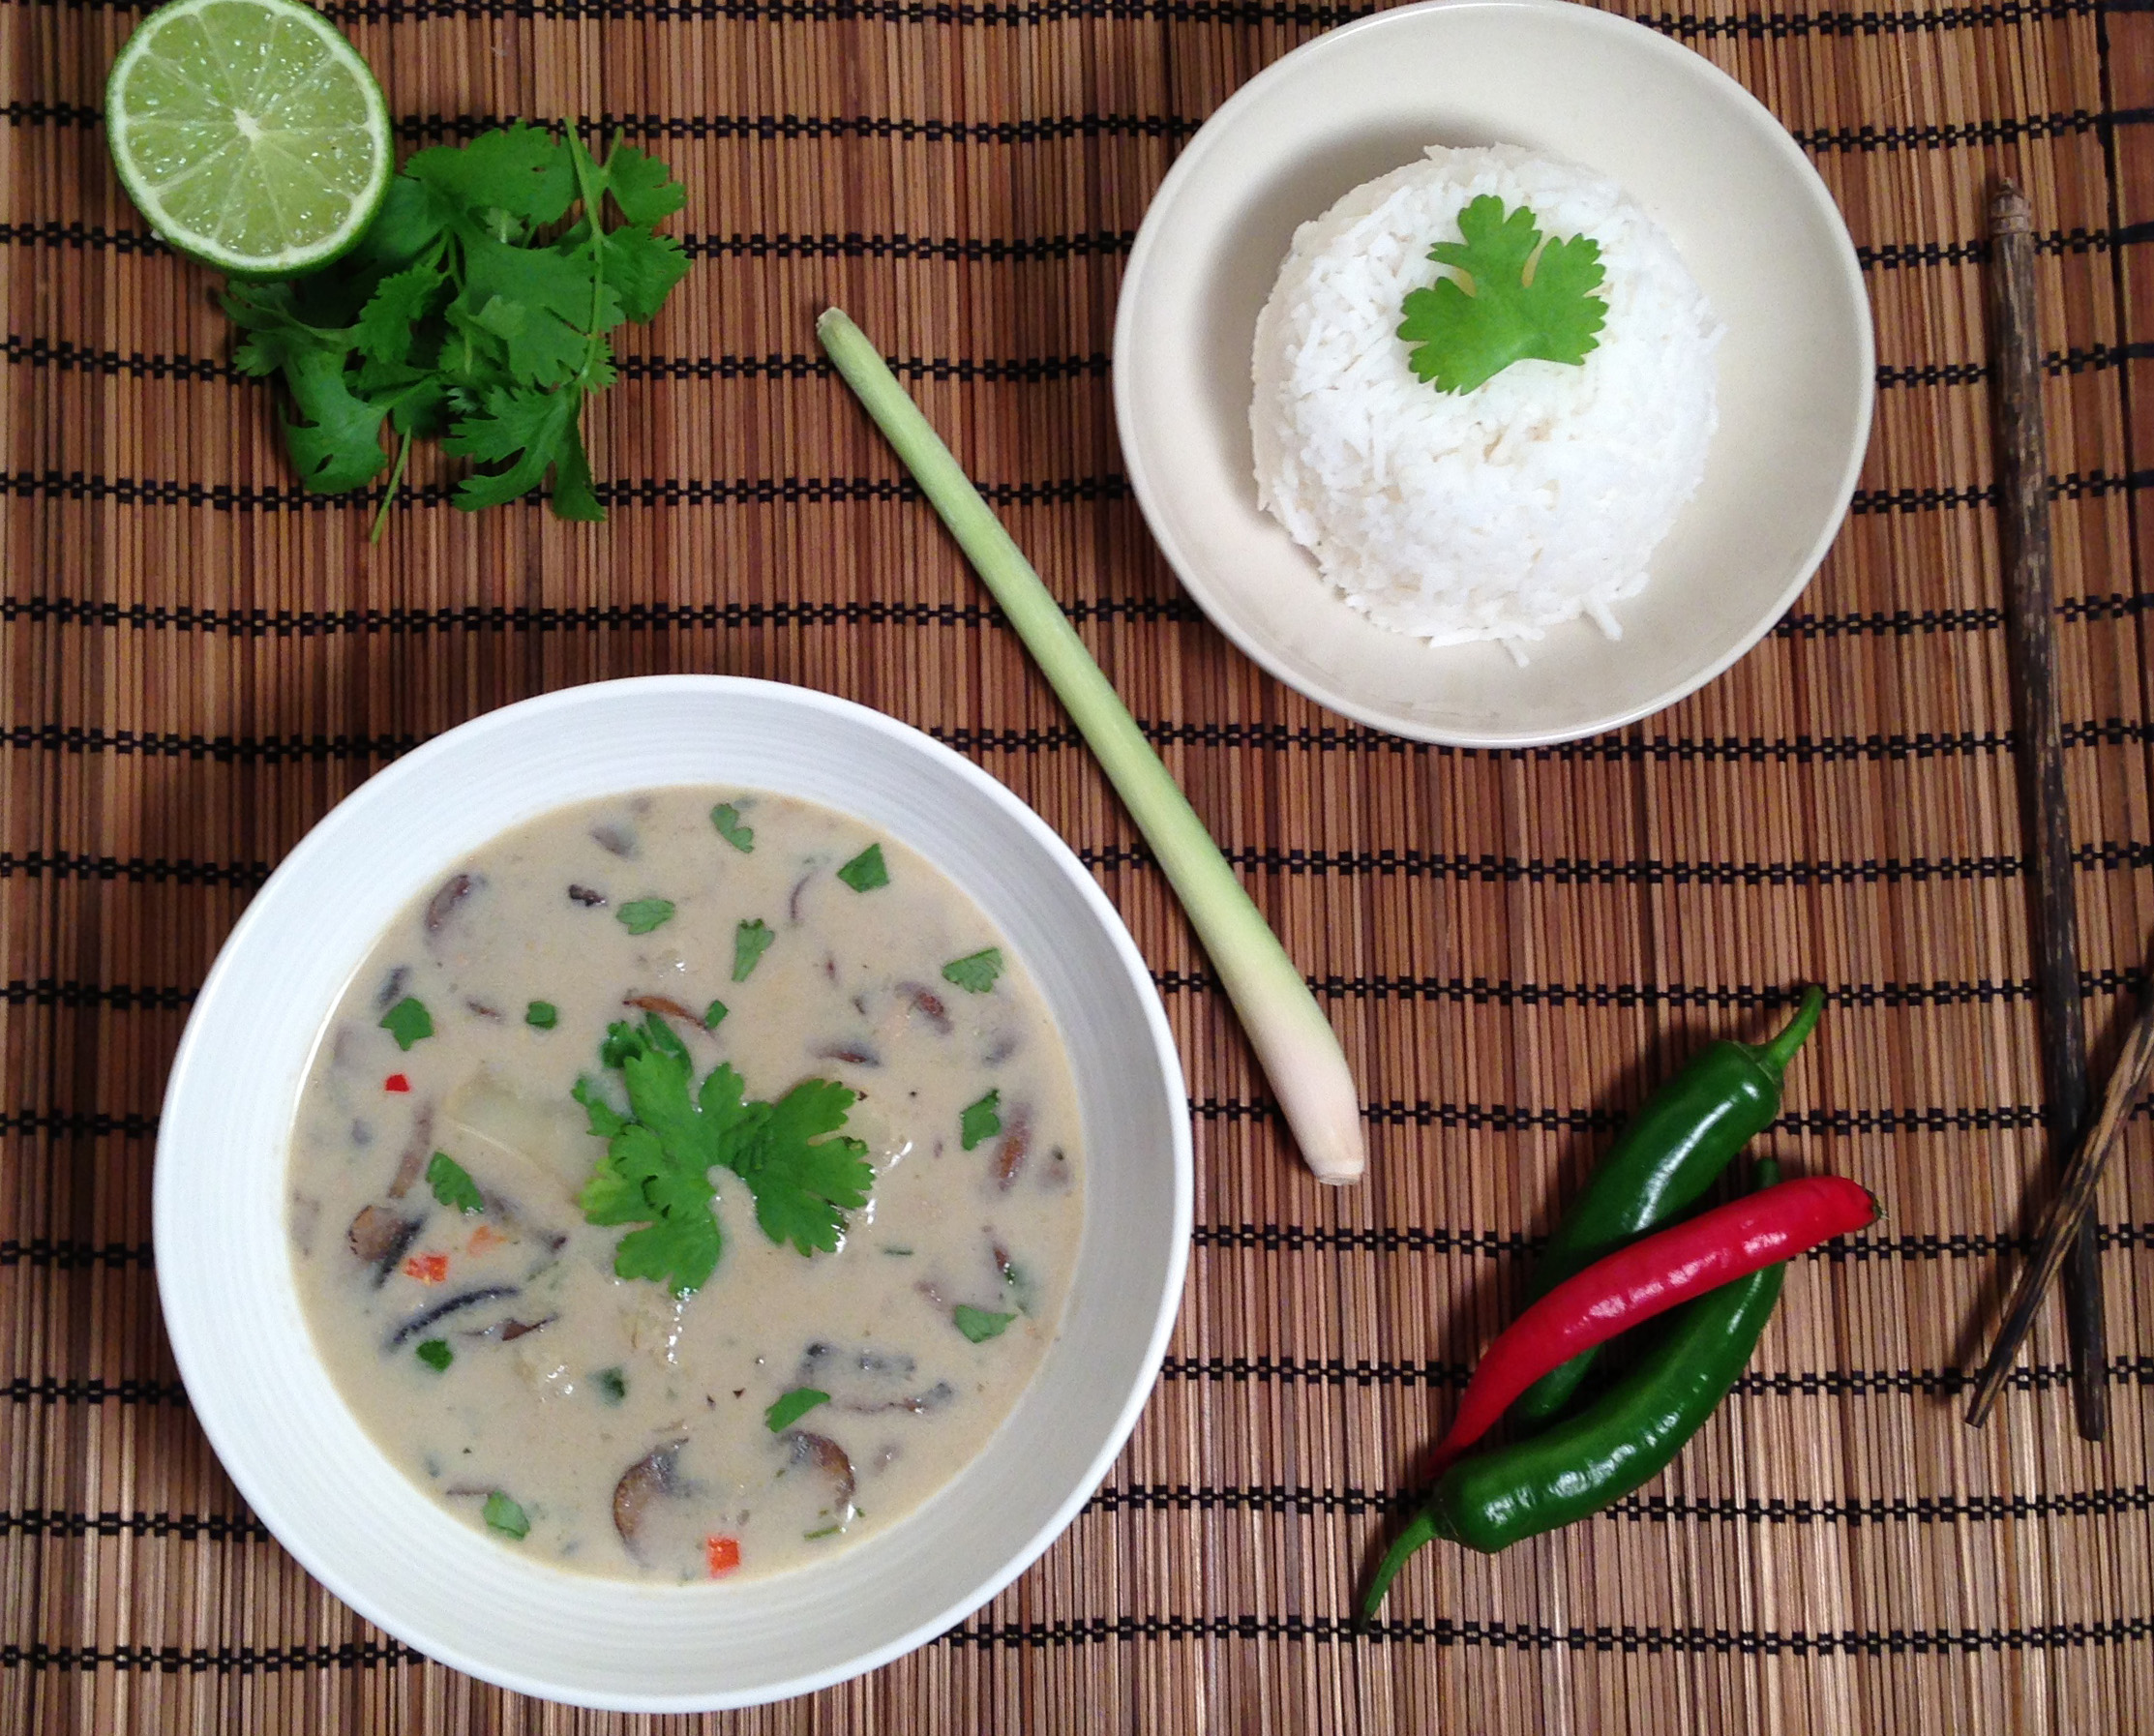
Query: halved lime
(249, 133)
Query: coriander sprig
(468, 311)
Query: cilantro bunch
(656, 1170)
(1521, 300)
(467, 308)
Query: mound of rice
(1498, 512)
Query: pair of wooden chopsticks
(2067, 1237)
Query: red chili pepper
(427, 1268)
(396, 1082)
(1649, 1277)
(722, 1553)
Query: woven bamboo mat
(196, 662)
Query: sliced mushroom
(832, 1460)
(925, 1002)
(1017, 1143)
(661, 1003)
(417, 1150)
(615, 840)
(585, 897)
(392, 989)
(508, 1332)
(793, 898)
(445, 903)
(652, 1478)
(853, 1053)
(379, 1236)
(441, 1310)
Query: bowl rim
(1192, 570)
(186, 1317)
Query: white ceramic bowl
(316, 1478)
(1749, 214)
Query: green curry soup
(686, 1185)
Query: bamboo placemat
(196, 661)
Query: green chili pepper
(1671, 1154)
(1625, 1437)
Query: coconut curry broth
(742, 1414)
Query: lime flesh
(249, 133)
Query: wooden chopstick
(2031, 638)
(2068, 1214)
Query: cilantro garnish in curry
(659, 1156)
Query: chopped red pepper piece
(396, 1082)
(427, 1268)
(723, 1553)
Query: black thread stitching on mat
(188, 1528)
(1409, 864)
(752, 491)
(1444, 1632)
(1307, 1371)
(1752, 26)
(237, 1661)
(659, 618)
(1835, 1383)
(816, 490)
(1922, 1509)
(1490, 1245)
(651, 617)
(1802, 750)
(1055, 129)
(75, 995)
(1887, 256)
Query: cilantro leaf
(542, 1015)
(790, 1407)
(714, 1015)
(980, 1120)
(436, 1353)
(605, 1120)
(452, 1184)
(642, 186)
(539, 301)
(408, 1020)
(390, 316)
(337, 445)
(750, 941)
(536, 430)
(641, 268)
(979, 1324)
(642, 914)
(866, 871)
(506, 1515)
(612, 1385)
(727, 818)
(466, 305)
(1460, 339)
(804, 1184)
(518, 169)
(804, 1175)
(976, 973)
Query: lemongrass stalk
(1295, 1042)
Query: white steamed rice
(1500, 512)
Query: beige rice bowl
(1500, 512)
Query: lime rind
(249, 133)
